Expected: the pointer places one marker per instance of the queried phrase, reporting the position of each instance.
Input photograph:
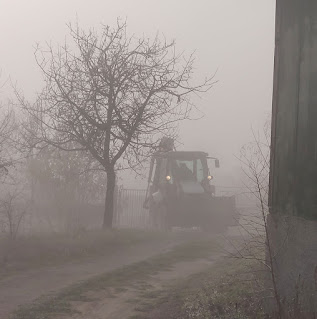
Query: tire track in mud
(28, 286)
(127, 303)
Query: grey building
(293, 179)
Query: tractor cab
(185, 172)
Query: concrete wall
(294, 247)
(294, 130)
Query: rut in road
(26, 287)
(125, 304)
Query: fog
(101, 216)
(232, 39)
(63, 218)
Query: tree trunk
(109, 204)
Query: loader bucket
(218, 213)
(207, 212)
(224, 210)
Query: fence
(46, 216)
(129, 211)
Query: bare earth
(122, 304)
(26, 287)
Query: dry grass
(42, 249)
(224, 291)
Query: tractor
(180, 192)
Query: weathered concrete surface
(293, 180)
(295, 264)
(293, 176)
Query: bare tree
(256, 244)
(256, 159)
(10, 152)
(7, 129)
(11, 212)
(14, 205)
(113, 95)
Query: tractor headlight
(168, 178)
(210, 178)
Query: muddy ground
(129, 303)
(27, 286)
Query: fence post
(115, 206)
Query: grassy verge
(227, 290)
(41, 249)
(118, 280)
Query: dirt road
(132, 303)
(26, 287)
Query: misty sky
(234, 38)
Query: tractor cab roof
(181, 155)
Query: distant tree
(112, 95)
(13, 203)
(67, 176)
(7, 131)
(8, 134)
